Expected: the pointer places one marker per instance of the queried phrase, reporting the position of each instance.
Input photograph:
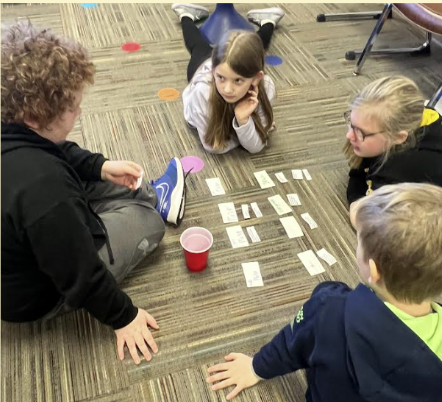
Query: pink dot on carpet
(190, 162)
(131, 47)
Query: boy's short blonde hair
(40, 73)
(400, 229)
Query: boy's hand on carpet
(237, 371)
(124, 173)
(137, 335)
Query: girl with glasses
(392, 138)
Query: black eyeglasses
(359, 133)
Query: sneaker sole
(191, 6)
(177, 194)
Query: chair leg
(351, 16)
(435, 98)
(374, 34)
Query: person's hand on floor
(137, 335)
(237, 371)
(124, 173)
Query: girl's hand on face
(246, 106)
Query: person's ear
(402, 137)
(258, 77)
(374, 272)
(31, 123)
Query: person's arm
(87, 165)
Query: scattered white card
(245, 211)
(264, 179)
(252, 274)
(237, 237)
(306, 174)
(293, 199)
(326, 256)
(280, 205)
(311, 262)
(139, 181)
(228, 212)
(253, 234)
(256, 209)
(280, 176)
(291, 227)
(215, 186)
(309, 220)
(297, 174)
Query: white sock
(187, 15)
(263, 22)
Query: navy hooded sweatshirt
(355, 349)
(50, 234)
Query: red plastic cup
(196, 243)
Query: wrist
(103, 170)
(241, 121)
(254, 372)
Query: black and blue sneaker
(170, 192)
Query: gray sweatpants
(133, 225)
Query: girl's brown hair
(396, 104)
(244, 54)
(40, 73)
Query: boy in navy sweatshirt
(381, 342)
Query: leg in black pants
(200, 50)
(266, 33)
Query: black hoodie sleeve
(65, 251)
(357, 185)
(86, 164)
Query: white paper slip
(297, 174)
(280, 176)
(309, 220)
(306, 174)
(264, 179)
(253, 234)
(252, 274)
(326, 256)
(237, 237)
(215, 186)
(311, 262)
(293, 199)
(245, 211)
(291, 227)
(139, 181)
(280, 205)
(256, 209)
(228, 212)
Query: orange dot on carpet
(168, 94)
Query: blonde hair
(40, 73)
(244, 54)
(400, 229)
(395, 104)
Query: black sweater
(50, 235)
(421, 164)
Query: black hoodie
(421, 164)
(50, 235)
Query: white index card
(309, 220)
(252, 274)
(280, 176)
(297, 174)
(326, 256)
(293, 199)
(245, 211)
(215, 186)
(291, 227)
(228, 212)
(253, 234)
(279, 204)
(311, 262)
(256, 209)
(264, 179)
(306, 174)
(237, 236)
(139, 181)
